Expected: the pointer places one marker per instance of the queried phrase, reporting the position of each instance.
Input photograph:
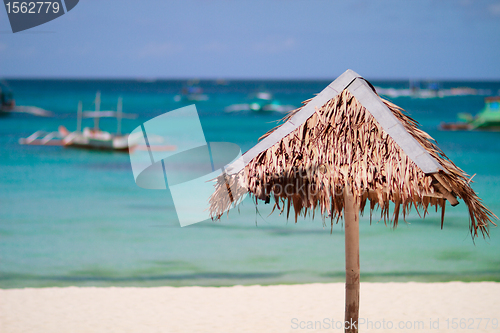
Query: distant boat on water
(487, 120)
(431, 89)
(91, 138)
(191, 93)
(262, 102)
(8, 105)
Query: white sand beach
(406, 307)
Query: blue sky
(298, 39)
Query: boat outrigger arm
(365, 93)
(43, 138)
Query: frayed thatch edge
(338, 124)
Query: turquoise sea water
(74, 217)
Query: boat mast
(79, 117)
(119, 116)
(97, 108)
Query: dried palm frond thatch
(342, 147)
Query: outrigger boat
(487, 120)
(8, 105)
(262, 102)
(89, 138)
(192, 92)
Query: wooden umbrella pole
(351, 225)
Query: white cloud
(275, 45)
(158, 50)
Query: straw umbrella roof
(349, 139)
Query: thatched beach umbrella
(342, 149)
